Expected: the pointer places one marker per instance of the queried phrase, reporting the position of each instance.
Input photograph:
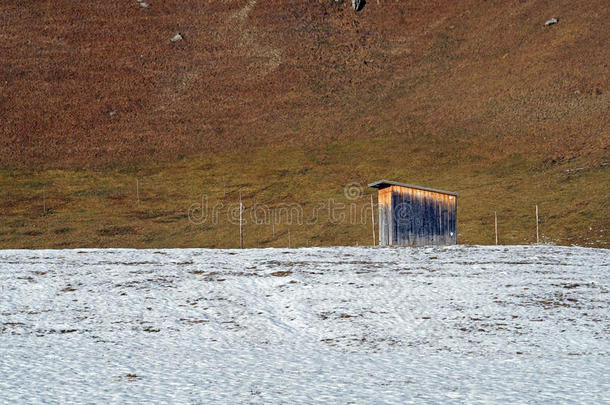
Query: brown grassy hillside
(475, 96)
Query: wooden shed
(415, 216)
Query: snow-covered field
(524, 324)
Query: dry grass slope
(292, 100)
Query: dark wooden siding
(413, 217)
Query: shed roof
(386, 183)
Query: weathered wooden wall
(385, 216)
(413, 217)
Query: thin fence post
(496, 225)
(241, 232)
(44, 200)
(537, 232)
(373, 219)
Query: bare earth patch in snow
(362, 325)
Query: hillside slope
(476, 96)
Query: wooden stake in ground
(496, 223)
(273, 225)
(241, 232)
(373, 219)
(537, 234)
(44, 201)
